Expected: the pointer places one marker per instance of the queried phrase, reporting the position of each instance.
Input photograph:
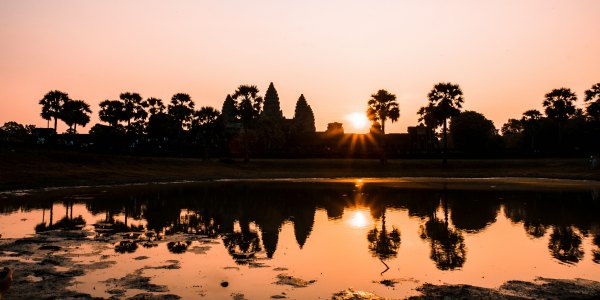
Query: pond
(298, 239)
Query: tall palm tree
(134, 108)
(75, 112)
(248, 106)
(181, 109)
(205, 126)
(445, 101)
(52, 104)
(383, 106)
(592, 97)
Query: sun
(359, 121)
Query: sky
(505, 55)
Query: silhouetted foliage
(13, 129)
(75, 112)
(134, 112)
(592, 98)
(559, 104)
(181, 110)
(248, 107)
(472, 132)
(162, 126)
(206, 128)
(384, 244)
(383, 106)
(52, 105)
(445, 101)
(566, 245)
(112, 112)
(155, 106)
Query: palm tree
(134, 108)
(530, 121)
(593, 97)
(112, 112)
(559, 104)
(52, 104)
(181, 109)
(75, 112)
(155, 105)
(445, 101)
(383, 106)
(205, 124)
(248, 106)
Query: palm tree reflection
(596, 252)
(447, 244)
(384, 244)
(242, 244)
(565, 245)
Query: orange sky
(504, 54)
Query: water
(341, 234)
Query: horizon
(504, 57)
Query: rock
(224, 283)
(285, 279)
(352, 294)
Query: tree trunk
(246, 155)
(55, 121)
(382, 144)
(444, 162)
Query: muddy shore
(48, 265)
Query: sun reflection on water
(359, 219)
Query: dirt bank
(35, 168)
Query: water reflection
(248, 217)
(447, 244)
(384, 243)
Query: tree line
(249, 122)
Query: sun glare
(359, 219)
(359, 121)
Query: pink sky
(504, 54)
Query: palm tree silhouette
(52, 105)
(445, 101)
(181, 109)
(155, 105)
(383, 106)
(205, 123)
(559, 104)
(134, 108)
(75, 112)
(248, 107)
(530, 120)
(112, 112)
(592, 97)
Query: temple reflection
(248, 218)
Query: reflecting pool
(304, 239)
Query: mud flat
(50, 264)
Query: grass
(36, 168)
